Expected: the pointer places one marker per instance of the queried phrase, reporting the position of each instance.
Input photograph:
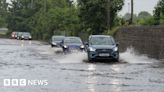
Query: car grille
(104, 50)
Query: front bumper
(99, 55)
(71, 50)
(55, 45)
(26, 38)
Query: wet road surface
(33, 60)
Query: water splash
(129, 56)
(132, 56)
(76, 57)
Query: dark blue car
(71, 44)
(56, 41)
(102, 47)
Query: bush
(146, 21)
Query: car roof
(53, 37)
(72, 37)
(20, 32)
(100, 36)
(26, 32)
(58, 36)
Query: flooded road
(33, 60)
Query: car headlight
(92, 49)
(82, 46)
(22, 36)
(65, 46)
(54, 43)
(115, 48)
(30, 37)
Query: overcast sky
(140, 5)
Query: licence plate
(104, 54)
(74, 50)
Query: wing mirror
(86, 43)
(117, 44)
(61, 43)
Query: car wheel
(90, 59)
(116, 60)
(65, 51)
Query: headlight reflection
(91, 79)
(116, 81)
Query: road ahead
(32, 60)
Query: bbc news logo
(24, 82)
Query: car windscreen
(19, 33)
(57, 38)
(26, 34)
(72, 41)
(101, 41)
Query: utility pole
(129, 7)
(108, 15)
(132, 12)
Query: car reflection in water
(25, 42)
(116, 81)
(91, 79)
(22, 43)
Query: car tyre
(116, 60)
(90, 59)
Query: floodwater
(33, 60)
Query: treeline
(3, 12)
(145, 18)
(44, 18)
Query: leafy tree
(149, 20)
(143, 14)
(44, 18)
(93, 14)
(127, 18)
(61, 17)
(3, 12)
(145, 18)
(162, 19)
(159, 12)
(119, 21)
(19, 16)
